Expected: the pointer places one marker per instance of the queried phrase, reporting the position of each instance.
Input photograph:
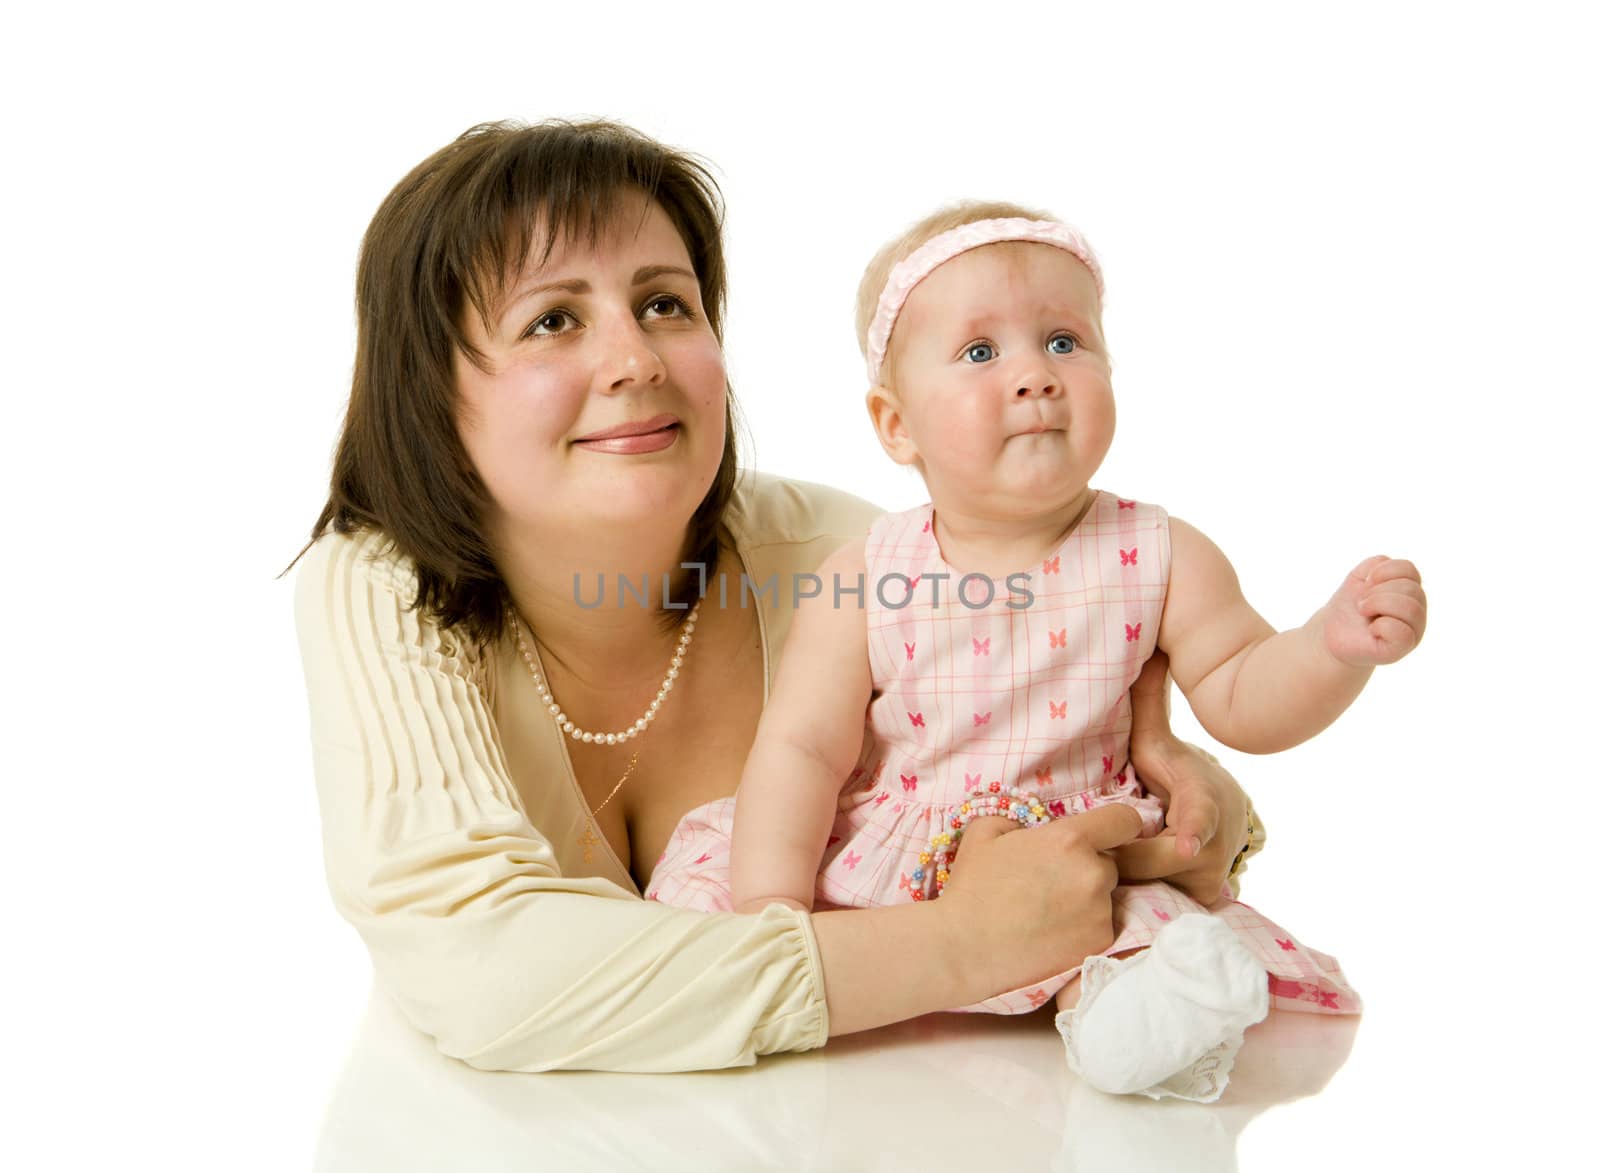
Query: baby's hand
(1377, 615)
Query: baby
(977, 660)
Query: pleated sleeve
(472, 928)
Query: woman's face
(603, 401)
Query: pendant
(588, 840)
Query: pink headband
(905, 276)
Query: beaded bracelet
(1008, 802)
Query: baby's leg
(1168, 1020)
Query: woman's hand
(1207, 825)
(1016, 909)
(1207, 820)
(1030, 905)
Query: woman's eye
(980, 352)
(1062, 344)
(668, 306)
(552, 323)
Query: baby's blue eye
(980, 352)
(1062, 344)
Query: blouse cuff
(803, 1027)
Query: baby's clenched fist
(1377, 615)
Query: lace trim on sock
(1201, 1082)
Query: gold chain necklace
(589, 840)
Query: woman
(539, 404)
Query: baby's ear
(883, 406)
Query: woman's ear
(889, 422)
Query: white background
(1351, 258)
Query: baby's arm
(1263, 691)
(808, 741)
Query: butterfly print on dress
(1301, 991)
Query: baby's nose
(1039, 388)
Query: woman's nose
(630, 358)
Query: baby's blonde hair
(913, 238)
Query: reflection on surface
(948, 1091)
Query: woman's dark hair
(442, 244)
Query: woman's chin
(651, 497)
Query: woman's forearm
(1019, 906)
(883, 965)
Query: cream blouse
(451, 817)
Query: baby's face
(1003, 387)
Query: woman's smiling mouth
(639, 436)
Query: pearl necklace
(632, 731)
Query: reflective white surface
(957, 1091)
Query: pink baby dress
(1021, 683)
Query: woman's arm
(1018, 908)
(472, 928)
(1209, 818)
(809, 739)
(511, 966)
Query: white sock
(1183, 1003)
